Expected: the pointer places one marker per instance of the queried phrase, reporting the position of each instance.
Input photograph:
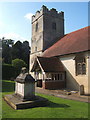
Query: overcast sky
(15, 17)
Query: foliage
(26, 52)
(18, 64)
(8, 71)
(9, 42)
(11, 50)
(6, 50)
(57, 108)
(21, 50)
(6, 53)
(17, 50)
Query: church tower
(47, 28)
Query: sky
(15, 17)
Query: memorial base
(16, 102)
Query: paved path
(61, 94)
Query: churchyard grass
(57, 107)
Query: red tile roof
(73, 42)
(52, 64)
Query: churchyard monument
(24, 96)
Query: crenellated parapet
(44, 10)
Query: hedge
(8, 72)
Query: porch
(49, 73)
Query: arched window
(54, 26)
(79, 68)
(36, 27)
(83, 68)
(80, 65)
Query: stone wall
(45, 36)
(74, 81)
(52, 35)
(53, 84)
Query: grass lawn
(57, 107)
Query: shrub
(18, 64)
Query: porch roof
(52, 64)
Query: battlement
(44, 10)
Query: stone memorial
(25, 85)
(81, 90)
(24, 96)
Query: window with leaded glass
(56, 76)
(80, 65)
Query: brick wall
(53, 84)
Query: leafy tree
(17, 50)
(6, 53)
(18, 64)
(26, 52)
(6, 49)
(21, 50)
(11, 51)
(9, 42)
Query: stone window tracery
(80, 65)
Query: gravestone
(24, 96)
(81, 89)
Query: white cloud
(28, 16)
(13, 36)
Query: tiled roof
(73, 42)
(52, 64)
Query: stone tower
(47, 28)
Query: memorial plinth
(24, 96)
(25, 86)
(16, 102)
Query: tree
(6, 52)
(18, 64)
(21, 50)
(9, 42)
(6, 49)
(26, 52)
(11, 51)
(17, 50)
